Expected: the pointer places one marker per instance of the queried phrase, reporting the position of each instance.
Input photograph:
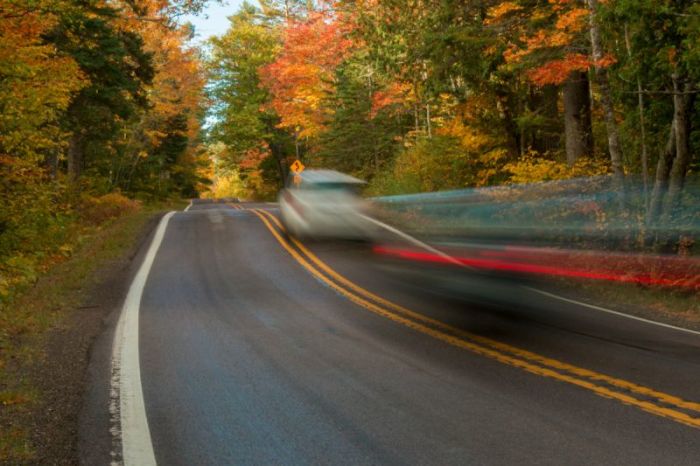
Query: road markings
(415, 241)
(559, 365)
(599, 384)
(129, 421)
(189, 206)
(610, 311)
(451, 259)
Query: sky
(213, 21)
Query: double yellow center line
(645, 398)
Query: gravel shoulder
(47, 376)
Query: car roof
(328, 176)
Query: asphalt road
(255, 350)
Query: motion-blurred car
(324, 204)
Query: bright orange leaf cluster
(397, 93)
(253, 157)
(302, 75)
(556, 71)
(564, 33)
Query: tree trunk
(663, 167)
(51, 164)
(276, 151)
(427, 120)
(75, 157)
(682, 101)
(578, 130)
(605, 98)
(551, 138)
(644, 157)
(415, 117)
(509, 124)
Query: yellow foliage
(532, 169)
(472, 138)
(37, 83)
(226, 185)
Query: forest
(427, 95)
(108, 104)
(101, 105)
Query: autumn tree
(303, 73)
(498, 90)
(662, 59)
(244, 121)
(118, 69)
(364, 131)
(38, 82)
(174, 109)
(96, 97)
(548, 40)
(285, 10)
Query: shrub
(533, 168)
(42, 220)
(97, 210)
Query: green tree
(360, 140)
(242, 120)
(117, 67)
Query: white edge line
(135, 436)
(188, 207)
(413, 240)
(545, 293)
(610, 311)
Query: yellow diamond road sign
(297, 167)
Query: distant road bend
(240, 345)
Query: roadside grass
(45, 305)
(676, 307)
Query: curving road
(257, 350)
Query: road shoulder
(44, 424)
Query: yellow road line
(553, 363)
(647, 406)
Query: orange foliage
(178, 83)
(556, 71)
(500, 11)
(567, 25)
(253, 157)
(303, 74)
(395, 93)
(573, 20)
